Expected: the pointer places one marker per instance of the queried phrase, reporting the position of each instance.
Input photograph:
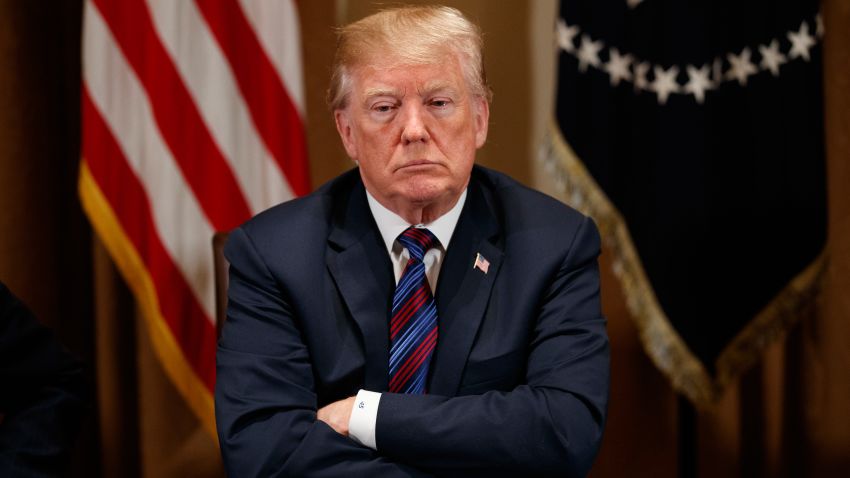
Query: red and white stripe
(192, 123)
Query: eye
(440, 102)
(383, 107)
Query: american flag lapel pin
(481, 263)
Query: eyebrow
(382, 91)
(429, 88)
(437, 85)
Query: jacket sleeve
(265, 396)
(550, 425)
(42, 398)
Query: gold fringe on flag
(134, 271)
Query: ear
(482, 120)
(343, 127)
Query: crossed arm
(337, 415)
(270, 424)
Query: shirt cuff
(364, 416)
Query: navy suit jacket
(43, 395)
(518, 382)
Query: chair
(220, 270)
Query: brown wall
(45, 241)
(41, 226)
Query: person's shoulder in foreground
(42, 398)
(418, 315)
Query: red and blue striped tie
(413, 327)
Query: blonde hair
(413, 35)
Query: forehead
(387, 74)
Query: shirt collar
(391, 224)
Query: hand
(337, 415)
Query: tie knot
(417, 240)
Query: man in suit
(337, 359)
(42, 396)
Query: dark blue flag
(693, 133)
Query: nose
(414, 129)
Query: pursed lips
(419, 163)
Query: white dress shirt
(364, 413)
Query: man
(337, 359)
(42, 397)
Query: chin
(426, 191)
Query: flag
(481, 263)
(192, 123)
(693, 133)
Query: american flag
(481, 263)
(192, 123)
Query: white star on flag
(698, 82)
(801, 42)
(481, 263)
(566, 34)
(771, 57)
(588, 53)
(665, 82)
(740, 66)
(641, 69)
(618, 67)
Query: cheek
(379, 140)
(375, 156)
(465, 142)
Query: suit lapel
(358, 261)
(463, 291)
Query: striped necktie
(413, 326)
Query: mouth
(417, 164)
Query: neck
(424, 215)
(419, 213)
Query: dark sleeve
(42, 395)
(550, 425)
(265, 397)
